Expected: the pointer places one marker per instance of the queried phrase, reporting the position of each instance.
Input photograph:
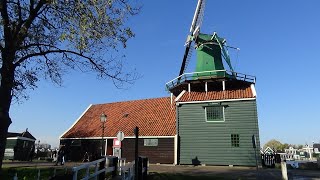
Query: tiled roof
(238, 93)
(154, 117)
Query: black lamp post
(103, 119)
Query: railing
(127, 171)
(87, 166)
(209, 74)
(121, 163)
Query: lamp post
(103, 119)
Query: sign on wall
(116, 143)
(150, 142)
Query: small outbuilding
(20, 146)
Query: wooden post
(15, 177)
(102, 165)
(284, 170)
(113, 162)
(136, 132)
(38, 175)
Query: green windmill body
(210, 51)
(211, 61)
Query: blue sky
(279, 42)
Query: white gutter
(22, 138)
(209, 101)
(127, 137)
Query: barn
(210, 118)
(154, 117)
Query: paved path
(235, 172)
(37, 164)
(219, 171)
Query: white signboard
(150, 142)
(9, 152)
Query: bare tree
(45, 38)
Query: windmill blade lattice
(197, 21)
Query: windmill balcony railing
(217, 74)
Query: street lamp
(103, 119)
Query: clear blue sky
(279, 42)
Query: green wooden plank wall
(210, 142)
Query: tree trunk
(6, 87)
(5, 121)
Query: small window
(214, 113)
(76, 143)
(235, 140)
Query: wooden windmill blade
(194, 31)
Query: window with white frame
(214, 113)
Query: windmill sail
(195, 25)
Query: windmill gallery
(210, 117)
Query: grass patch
(25, 173)
(31, 173)
(178, 176)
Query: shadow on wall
(196, 161)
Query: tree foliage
(274, 144)
(278, 146)
(46, 38)
(50, 37)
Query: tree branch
(25, 27)
(57, 51)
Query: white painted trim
(128, 137)
(222, 100)
(21, 138)
(253, 89)
(106, 147)
(206, 86)
(75, 121)
(189, 87)
(176, 149)
(180, 95)
(223, 85)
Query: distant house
(20, 146)
(316, 148)
(292, 154)
(268, 150)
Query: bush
(308, 166)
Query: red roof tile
(217, 95)
(154, 117)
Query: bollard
(143, 167)
(113, 162)
(284, 170)
(38, 174)
(102, 165)
(15, 177)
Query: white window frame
(223, 115)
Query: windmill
(211, 51)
